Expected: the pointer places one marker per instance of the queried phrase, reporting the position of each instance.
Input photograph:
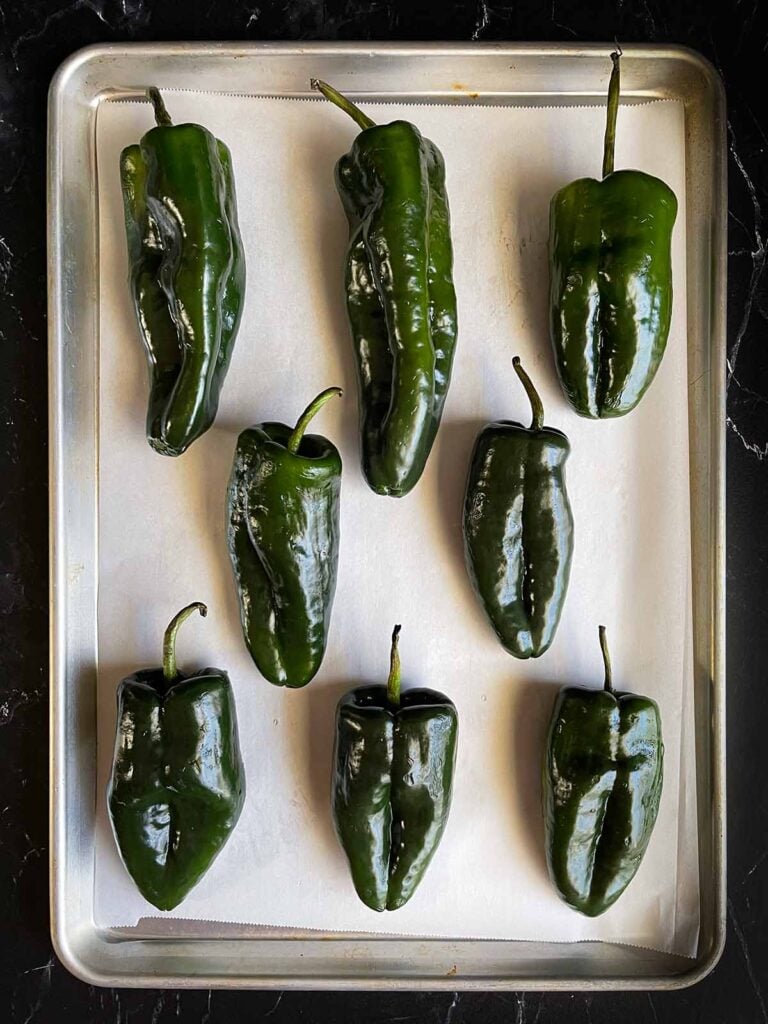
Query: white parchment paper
(162, 528)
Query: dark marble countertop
(35, 36)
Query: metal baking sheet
(234, 956)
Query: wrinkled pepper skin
(602, 787)
(518, 530)
(178, 783)
(610, 284)
(393, 766)
(187, 273)
(283, 536)
(401, 301)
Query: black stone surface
(35, 36)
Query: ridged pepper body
(187, 274)
(602, 787)
(518, 532)
(611, 291)
(610, 281)
(400, 296)
(283, 535)
(178, 784)
(392, 784)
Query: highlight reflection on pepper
(283, 536)
(187, 272)
(602, 783)
(610, 281)
(393, 767)
(518, 528)
(178, 783)
(401, 302)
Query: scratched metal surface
(236, 956)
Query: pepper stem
(537, 409)
(609, 145)
(608, 684)
(393, 682)
(170, 671)
(312, 409)
(162, 117)
(343, 103)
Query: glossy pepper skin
(611, 281)
(518, 528)
(283, 535)
(178, 783)
(400, 297)
(393, 767)
(187, 272)
(602, 787)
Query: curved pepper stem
(162, 117)
(537, 409)
(609, 145)
(309, 413)
(608, 684)
(393, 682)
(170, 671)
(343, 103)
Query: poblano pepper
(178, 782)
(283, 534)
(187, 272)
(518, 528)
(400, 297)
(611, 281)
(393, 766)
(602, 787)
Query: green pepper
(518, 528)
(187, 272)
(283, 534)
(393, 766)
(400, 298)
(178, 783)
(602, 786)
(611, 281)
